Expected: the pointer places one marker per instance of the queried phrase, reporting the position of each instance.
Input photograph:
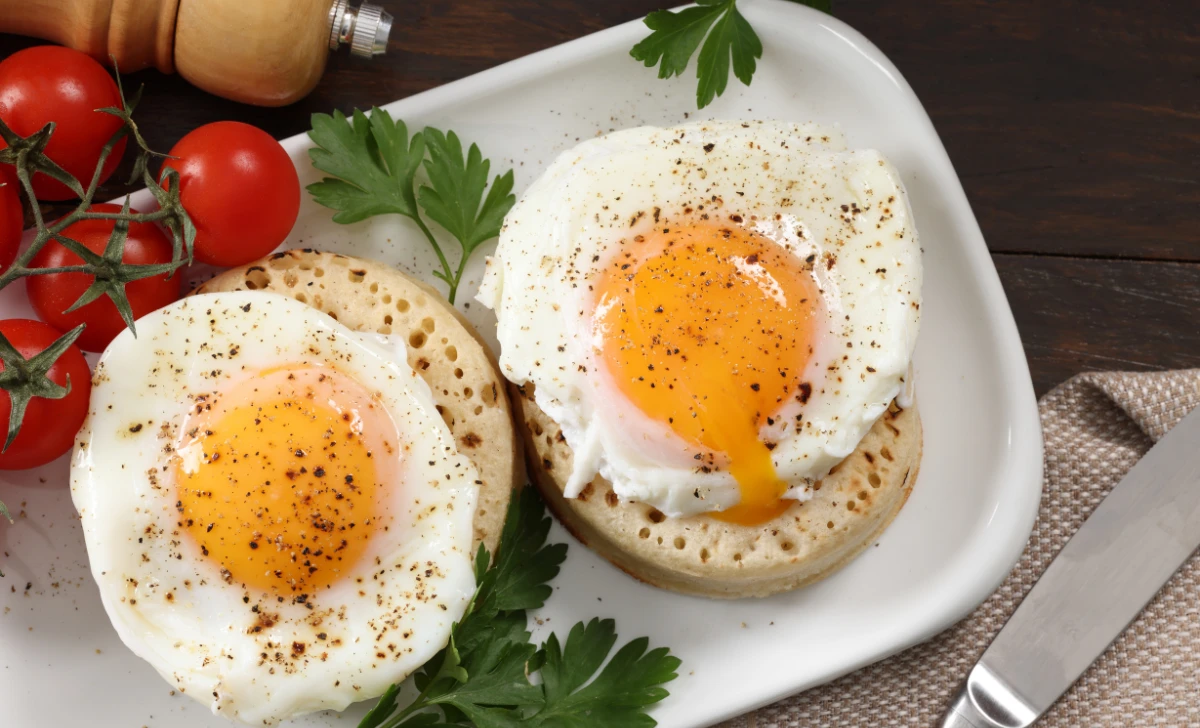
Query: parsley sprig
(726, 35)
(373, 165)
(481, 678)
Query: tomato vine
(26, 378)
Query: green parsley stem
(433, 243)
(417, 704)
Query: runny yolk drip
(707, 329)
(277, 479)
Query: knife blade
(1135, 540)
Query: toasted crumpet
(443, 348)
(702, 556)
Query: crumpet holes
(357, 276)
(874, 480)
(257, 278)
(644, 533)
(290, 279)
(468, 392)
(374, 288)
(416, 339)
(319, 272)
(385, 330)
(301, 298)
(388, 319)
(402, 305)
(887, 454)
(704, 556)
(451, 353)
(655, 515)
(427, 324)
(458, 373)
(478, 410)
(787, 545)
(680, 542)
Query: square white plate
(967, 521)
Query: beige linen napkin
(1096, 427)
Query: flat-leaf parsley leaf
(677, 34)
(481, 678)
(618, 696)
(373, 165)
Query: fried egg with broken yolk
(275, 513)
(715, 314)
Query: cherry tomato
(240, 189)
(12, 217)
(52, 293)
(49, 426)
(51, 83)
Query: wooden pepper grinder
(264, 52)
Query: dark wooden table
(1075, 127)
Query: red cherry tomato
(49, 426)
(240, 189)
(12, 217)
(51, 294)
(51, 83)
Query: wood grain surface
(1074, 125)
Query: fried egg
(715, 314)
(275, 514)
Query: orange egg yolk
(707, 329)
(279, 478)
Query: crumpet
(703, 556)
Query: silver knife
(1111, 568)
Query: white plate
(967, 521)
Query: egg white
(366, 631)
(845, 214)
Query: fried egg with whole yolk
(715, 314)
(276, 515)
(278, 481)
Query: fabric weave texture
(1096, 426)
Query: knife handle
(986, 701)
